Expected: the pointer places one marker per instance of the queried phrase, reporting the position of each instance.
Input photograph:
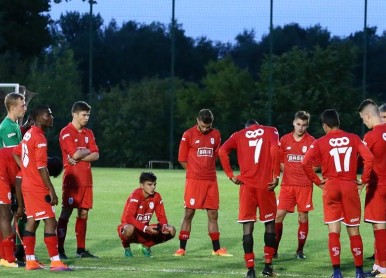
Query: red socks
(80, 231)
(357, 249)
(334, 248)
(302, 235)
(51, 242)
(249, 260)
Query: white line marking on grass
(188, 271)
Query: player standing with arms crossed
(197, 154)
(38, 192)
(78, 151)
(296, 188)
(257, 148)
(375, 204)
(337, 152)
(135, 225)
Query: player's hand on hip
(235, 180)
(272, 185)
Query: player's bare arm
(47, 182)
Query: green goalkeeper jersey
(10, 134)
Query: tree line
(134, 95)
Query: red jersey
(71, 140)
(376, 142)
(291, 154)
(139, 210)
(33, 153)
(8, 166)
(257, 154)
(338, 152)
(200, 152)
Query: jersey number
(257, 144)
(24, 154)
(336, 153)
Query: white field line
(187, 271)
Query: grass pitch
(111, 189)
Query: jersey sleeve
(9, 136)
(130, 213)
(311, 156)
(66, 142)
(92, 146)
(368, 161)
(224, 151)
(184, 148)
(275, 152)
(41, 152)
(160, 210)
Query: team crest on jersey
(205, 152)
(151, 205)
(304, 149)
(212, 141)
(86, 139)
(192, 201)
(384, 136)
(70, 201)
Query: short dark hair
(330, 117)
(250, 122)
(303, 115)
(365, 103)
(382, 108)
(54, 166)
(80, 106)
(38, 111)
(206, 116)
(147, 176)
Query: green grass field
(111, 189)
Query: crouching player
(139, 209)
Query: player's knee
(128, 230)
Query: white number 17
(346, 162)
(257, 144)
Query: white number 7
(346, 163)
(257, 144)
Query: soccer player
(197, 154)
(10, 134)
(375, 209)
(38, 192)
(8, 172)
(257, 148)
(78, 151)
(135, 224)
(296, 187)
(337, 152)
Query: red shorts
(141, 237)
(36, 206)
(375, 209)
(251, 198)
(341, 202)
(201, 194)
(291, 196)
(5, 193)
(77, 197)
